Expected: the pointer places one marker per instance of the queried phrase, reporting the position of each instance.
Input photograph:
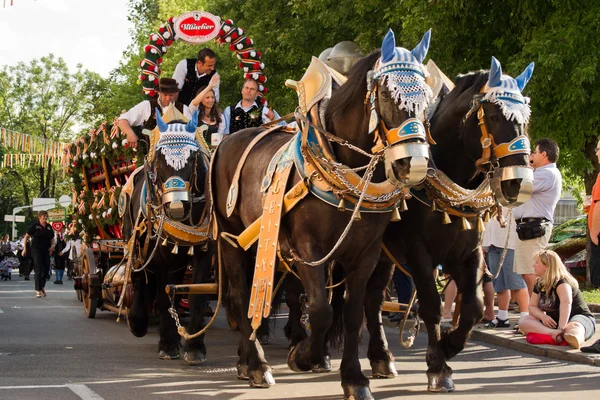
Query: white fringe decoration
(409, 90)
(514, 106)
(176, 147)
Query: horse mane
(471, 80)
(354, 89)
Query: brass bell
(486, 217)
(446, 218)
(165, 242)
(433, 206)
(191, 251)
(480, 225)
(204, 246)
(175, 249)
(395, 215)
(357, 217)
(466, 225)
(403, 205)
(342, 205)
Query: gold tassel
(175, 249)
(446, 218)
(480, 225)
(403, 205)
(357, 217)
(433, 206)
(342, 205)
(165, 242)
(486, 217)
(395, 215)
(191, 251)
(466, 225)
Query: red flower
(143, 77)
(265, 90)
(159, 61)
(248, 41)
(150, 67)
(161, 29)
(256, 65)
(147, 48)
(247, 76)
(241, 64)
(262, 100)
(262, 79)
(232, 47)
(152, 93)
(156, 82)
(171, 20)
(159, 42)
(221, 33)
(229, 22)
(169, 42)
(258, 54)
(234, 35)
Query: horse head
(175, 164)
(502, 114)
(398, 96)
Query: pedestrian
(594, 227)
(535, 217)
(72, 251)
(193, 73)
(42, 247)
(210, 118)
(403, 285)
(557, 307)
(60, 257)
(248, 112)
(508, 283)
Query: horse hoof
(242, 372)
(194, 357)
(440, 383)
(262, 380)
(383, 369)
(352, 392)
(168, 355)
(323, 366)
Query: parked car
(569, 240)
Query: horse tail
(335, 334)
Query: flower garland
(239, 43)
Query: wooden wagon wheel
(90, 301)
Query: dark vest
(192, 83)
(241, 119)
(151, 122)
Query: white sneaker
(38, 294)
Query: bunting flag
(34, 145)
(11, 3)
(28, 159)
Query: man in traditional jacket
(193, 73)
(144, 113)
(249, 112)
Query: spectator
(403, 285)
(60, 258)
(534, 218)
(449, 296)
(193, 73)
(249, 112)
(209, 114)
(42, 248)
(144, 113)
(557, 307)
(594, 226)
(73, 252)
(508, 283)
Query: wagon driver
(144, 113)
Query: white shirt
(496, 235)
(265, 119)
(140, 113)
(181, 72)
(547, 187)
(74, 248)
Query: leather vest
(241, 119)
(150, 123)
(192, 83)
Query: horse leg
(309, 354)
(252, 364)
(439, 374)
(137, 316)
(468, 282)
(169, 343)
(194, 349)
(381, 358)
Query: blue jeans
(59, 274)
(403, 285)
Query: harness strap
(234, 188)
(487, 141)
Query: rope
(505, 250)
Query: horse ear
(193, 123)
(525, 76)
(421, 50)
(388, 47)
(162, 127)
(495, 73)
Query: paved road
(50, 350)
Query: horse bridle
(492, 153)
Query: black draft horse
(424, 241)
(312, 228)
(170, 170)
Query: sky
(93, 33)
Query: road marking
(1, 311)
(84, 392)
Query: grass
(591, 295)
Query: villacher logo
(197, 27)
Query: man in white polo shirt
(535, 217)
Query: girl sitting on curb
(557, 307)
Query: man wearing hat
(144, 114)
(193, 73)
